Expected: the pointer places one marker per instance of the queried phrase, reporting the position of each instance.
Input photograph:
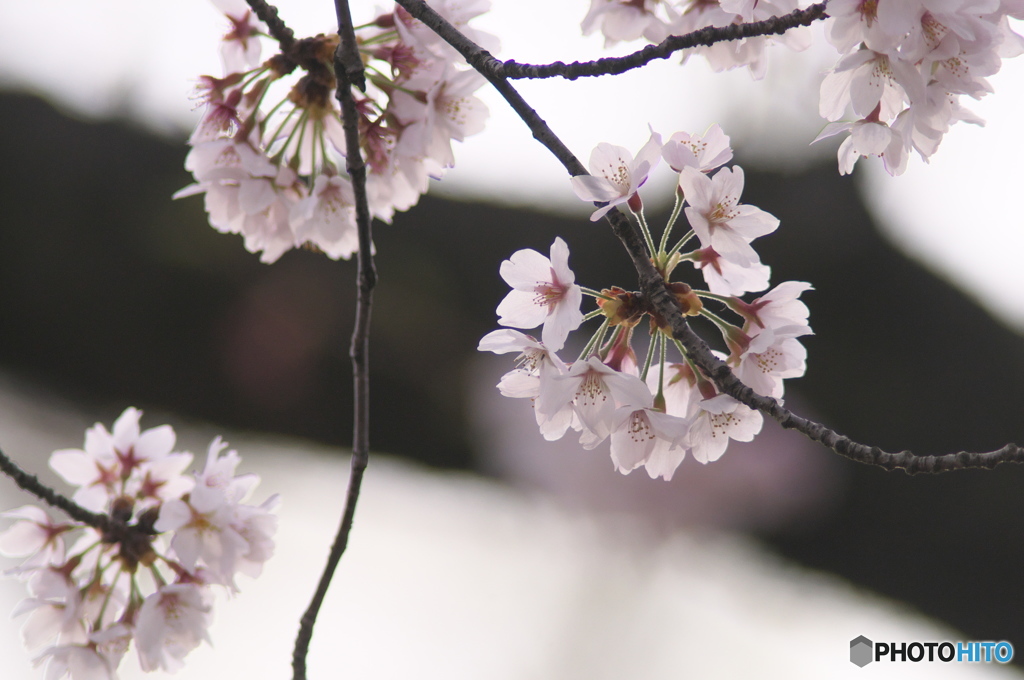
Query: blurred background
(112, 294)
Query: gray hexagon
(861, 651)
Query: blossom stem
(646, 231)
(652, 347)
(595, 293)
(676, 209)
(595, 340)
(724, 299)
(722, 324)
(682, 242)
(593, 314)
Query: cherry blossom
(645, 436)
(717, 216)
(772, 355)
(717, 420)
(536, 365)
(543, 292)
(725, 277)
(616, 176)
(170, 624)
(705, 153)
(595, 390)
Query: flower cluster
(904, 63)
(272, 169)
(904, 66)
(147, 574)
(656, 410)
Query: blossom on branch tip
(705, 153)
(615, 176)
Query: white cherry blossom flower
(725, 277)
(705, 153)
(34, 535)
(773, 355)
(327, 217)
(171, 623)
(543, 292)
(645, 436)
(717, 420)
(536, 365)
(595, 391)
(778, 307)
(719, 219)
(615, 176)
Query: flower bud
(622, 309)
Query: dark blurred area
(113, 294)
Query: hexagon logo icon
(861, 650)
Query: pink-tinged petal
(866, 92)
(696, 186)
(99, 443)
(612, 163)
(525, 269)
(647, 158)
(126, 429)
(832, 129)
(594, 189)
(24, 538)
(520, 310)
(519, 384)
(155, 443)
(174, 514)
(94, 498)
(663, 461)
(505, 340)
(566, 318)
(752, 222)
(835, 94)
(729, 182)
(256, 195)
(75, 466)
(560, 262)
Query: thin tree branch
(346, 55)
(31, 483)
(267, 13)
(485, 63)
(653, 286)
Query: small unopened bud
(689, 302)
(622, 309)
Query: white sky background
(959, 214)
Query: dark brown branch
(347, 53)
(653, 286)
(486, 64)
(267, 13)
(31, 483)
